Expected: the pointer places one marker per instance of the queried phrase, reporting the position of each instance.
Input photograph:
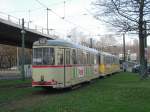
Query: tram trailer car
(109, 64)
(61, 64)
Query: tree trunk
(141, 40)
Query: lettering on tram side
(81, 71)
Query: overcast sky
(76, 15)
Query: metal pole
(91, 43)
(47, 22)
(124, 52)
(19, 21)
(17, 59)
(28, 25)
(64, 10)
(145, 45)
(23, 53)
(8, 17)
(42, 30)
(124, 48)
(29, 19)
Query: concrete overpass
(10, 34)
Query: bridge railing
(28, 24)
(10, 18)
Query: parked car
(148, 68)
(136, 68)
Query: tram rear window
(43, 56)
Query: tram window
(114, 60)
(108, 60)
(79, 57)
(98, 59)
(102, 59)
(92, 58)
(105, 59)
(60, 58)
(48, 56)
(67, 57)
(43, 56)
(88, 58)
(84, 58)
(95, 61)
(111, 60)
(37, 56)
(74, 57)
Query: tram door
(67, 70)
(60, 61)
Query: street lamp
(124, 48)
(23, 46)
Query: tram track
(25, 85)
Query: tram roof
(64, 43)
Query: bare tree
(8, 56)
(127, 15)
(106, 42)
(135, 47)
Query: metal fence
(28, 24)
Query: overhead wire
(60, 16)
(35, 9)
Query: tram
(61, 64)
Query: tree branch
(117, 9)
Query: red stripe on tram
(68, 65)
(59, 66)
(52, 66)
